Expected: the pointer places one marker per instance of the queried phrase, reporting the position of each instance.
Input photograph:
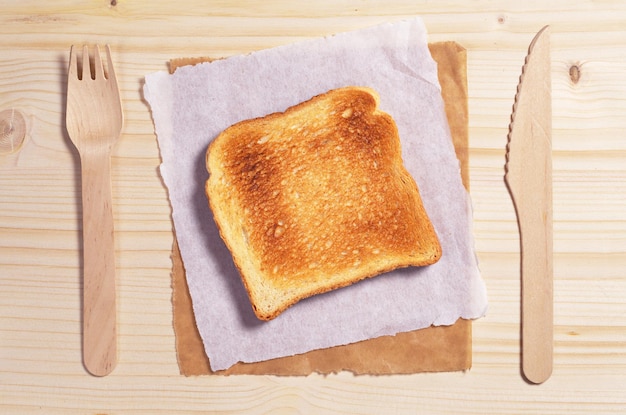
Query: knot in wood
(574, 73)
(12, 131)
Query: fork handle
(99, 309)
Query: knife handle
(537, 299)
(532, 198)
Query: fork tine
(72, 71)
(86, 68)
(97, 63)
(110, 70)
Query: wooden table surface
(40, 257)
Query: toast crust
(316, 198)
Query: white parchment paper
(193, 105)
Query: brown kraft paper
(433, 349)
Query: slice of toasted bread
(316, 198)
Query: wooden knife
(529, 179)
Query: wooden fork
(94, 121)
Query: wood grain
(40, 352)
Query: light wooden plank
(40, 369)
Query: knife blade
(528, 175)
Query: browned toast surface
(316, 198)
